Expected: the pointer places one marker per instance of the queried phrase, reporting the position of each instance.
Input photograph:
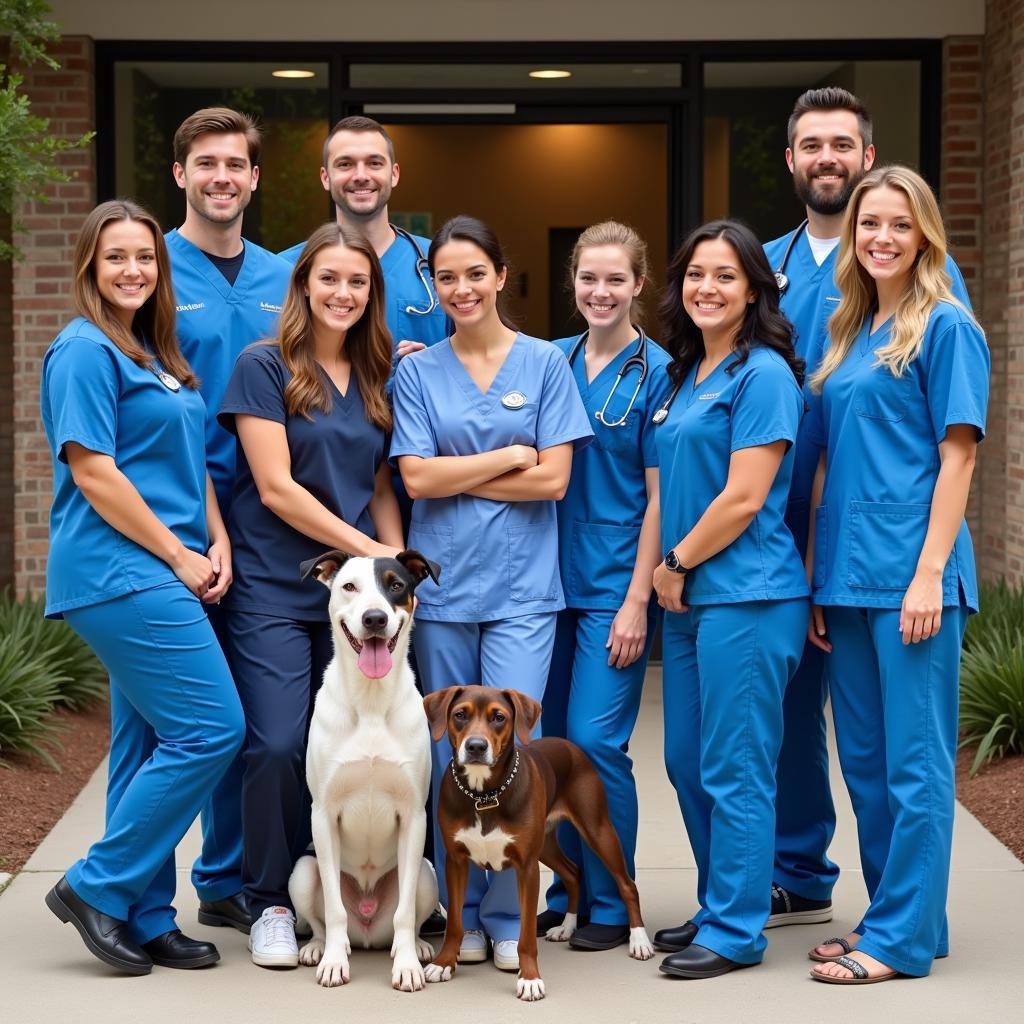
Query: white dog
(368, 769)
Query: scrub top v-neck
(335, 456)
(498, 559)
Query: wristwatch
(674, 565)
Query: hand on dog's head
(476, 700)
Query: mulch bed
(995, 796)
(33, 796)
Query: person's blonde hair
(612, 232)
(368, 343)
(155, 319)
(929, 281)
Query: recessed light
(550, 73)
(293, 73)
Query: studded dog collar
(489, 800)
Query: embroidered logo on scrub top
(190, 307)
(708, 396)
(269, 307)
(513, 400)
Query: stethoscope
(422, 271)
(637, 360)
(780, 273)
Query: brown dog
(498, 807)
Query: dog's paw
(424, 951)
(309, 955)
(562, 932)
(333, 970)
(407, 974)
(530, 989)
(435, 972)
(640, 947)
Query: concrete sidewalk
(48, 975)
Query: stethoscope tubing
(638, 360)
(422, 271)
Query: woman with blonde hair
(903, 393)
(608, 548)
(136, 542)
(312, 418)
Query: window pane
(153, 97)
(514, 76)
(746, 107)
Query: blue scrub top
(498, 559)
(882, 435)
(403, 288)
(215, 322)
(808, 302)
(757, 403)
(599, 518)
(96, 396)
(335, 456)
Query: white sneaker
(474, 947)
(506, 955)
(272, 939)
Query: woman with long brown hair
(136, 542)
(312, 417)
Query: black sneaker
(434, 925)
(548, 919)
(791, 908)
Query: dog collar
(489, 800)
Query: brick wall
(41, 288)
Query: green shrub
(992, 692)
(1002, 607)
(29, 688)
(82, 678)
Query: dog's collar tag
(486, 802)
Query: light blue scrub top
(757, 404)
(808, 302)
(599, 518)
(96, 396)
(498, 559)
(403, 288)
(215, 322)
(882, 460)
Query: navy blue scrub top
(756, 404)
(94, 395)
(599, 518)
(335, 456)
(882, 436)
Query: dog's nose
(476, 745)
(375, 619)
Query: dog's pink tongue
(375, 658)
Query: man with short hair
(830, 150)
(229, 293)
(359, 171)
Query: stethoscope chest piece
(513, 400)
(782, 281)
(169, 382)
(660, 416)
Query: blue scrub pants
(805, 817)
(596, 706)
(176, 725)
(895, 712)
(511, 654)
(279, 666)
(726, 668)
(217, 871)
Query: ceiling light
(293, 73)
(550, 73)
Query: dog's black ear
(436, 705)
(419, 565)
(325, 565)
(527, 714)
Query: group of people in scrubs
(777, 480)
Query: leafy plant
(29, 689)
(82, 677)
(1002, 607)
(28, 150)
(992, 692)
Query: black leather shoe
(230, 912)
(553, 918)
(434, 925)
(172, 949)
(672, 940)
(599, 936)
(698, 962)
(105, 937)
